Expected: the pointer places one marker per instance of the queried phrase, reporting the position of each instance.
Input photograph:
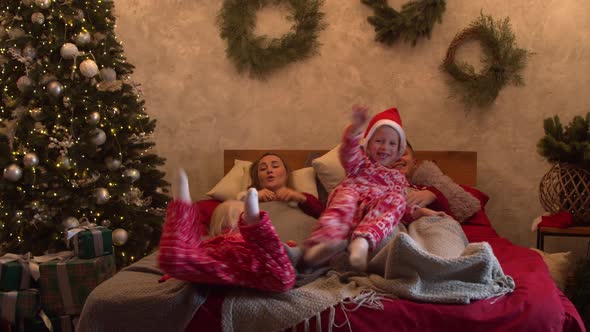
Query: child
(249, 255)
(370, 201)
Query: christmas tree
(75, 138)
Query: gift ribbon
(63, 281)
(96, 237)
(29, 268)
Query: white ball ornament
(83, 38)
(29, 52)
(101, 195)
(71, 222)
(132, 174)
(112, 164)
(55, 88)
(38, 18)
(31, 159)
(98, 136)
(108, 74)
(24, 83)
(88, 68)
(43, 4)
(106, 223)
(93, 118)
(13, 172)
(120, 236)
(69, 51)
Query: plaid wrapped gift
(91, 241)
(19, 304)
(58, 323)
(65, 285)
(15, 272)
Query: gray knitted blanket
(431, 262)
(133, 300)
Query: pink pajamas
(254, 257)
(368, 203)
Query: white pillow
(235, 181)
(303, 180)
(559, 264)
(329, 170)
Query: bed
(536, 304)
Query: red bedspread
(535, 305)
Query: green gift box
(58, 324)
(93, 242)
(19, 304)
(65, 285)
(15, 275)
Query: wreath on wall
(261, 55)
(416, 19)
(503, 62)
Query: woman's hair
(410, 148)
(225, 217)
(254, 170)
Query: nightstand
(577, 231)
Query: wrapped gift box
(58, 323)
(65, 285)
(19, 304)
(15, 275)
(93, 242)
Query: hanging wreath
(261, 55)
(415, 21)
(503, 62)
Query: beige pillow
(559, 264)
(235, 181)
(329, 170)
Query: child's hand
(359, 116)
(265, 195)
(182, 192)
(288, 195)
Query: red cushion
(480, 217)
(483, 198)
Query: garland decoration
(416, 19)
(503, 62)
(261, 55)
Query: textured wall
(203, 106)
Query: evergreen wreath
(503, 61)
(416, 19)
(261, 55)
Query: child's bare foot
(251, 208)
(321, 253)
(359, 253)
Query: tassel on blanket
(505, 286)
(368, 299)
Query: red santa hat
(391, 118)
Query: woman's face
(272, 173)
(407, 163)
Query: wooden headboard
(461, 166)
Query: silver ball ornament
(24, 83)
(88, 68)
(71, 222)
(43, 4)
(29, 52)
(55, 88)
(64, 162)
(31, 159)
(106, 223)
(108, 74)
(38, 18)
(98, 136)
(101, 195)
(68, 51)
(132, 174)
(37, 114)
(13, 172)
(93, 118)
(120, 236)
(83, 38)
(112, 164)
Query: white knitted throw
(432, 262)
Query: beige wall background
(204, 106)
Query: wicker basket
(567, 188)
